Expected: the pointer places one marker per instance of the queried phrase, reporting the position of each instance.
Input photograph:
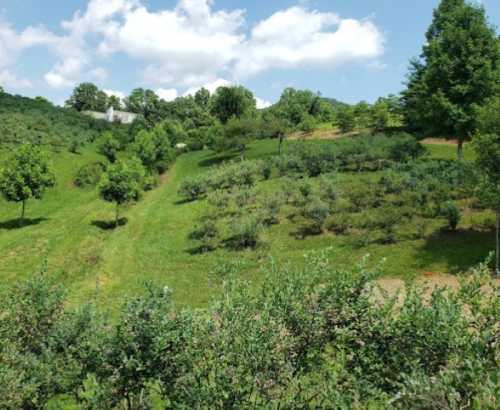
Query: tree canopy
(456, 73)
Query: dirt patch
(331, 134)
(429, 281)
(439, 141)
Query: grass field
(68, 230)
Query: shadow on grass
(109, 225)
(216, 160)
(18, 224)
(459, 250)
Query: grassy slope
(153, 245)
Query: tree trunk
(280, 148)
(497, 264)
(460, 149)
(23, 211)
(117, 214)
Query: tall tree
(85, 97)
(144, 102)
(456, 73)
(202, 98)
(26, 175)
(234, 101)
(487, 147)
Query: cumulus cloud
(210, 86)
(299, 37)
(167, 94)
(191, 44)
(116, 93)
(262, 103)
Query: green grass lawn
(66, 230)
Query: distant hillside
(25, 119)
(336, 104)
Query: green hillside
(68, 229)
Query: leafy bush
(316, 212)
(206, 233)
(150, 182)
(307, 338)
(245, 232)
(270, 208)
(89, 175)
(452, 214)
(193, 188)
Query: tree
(487, 147)
(234, 101)
(456, 73)
(153, 148)
(26, 174)
(202, 98)
(122, 184)
(346, 119)
(115, 102)
(85, 97)
(109, 146)
(145, 103)
(380, 115)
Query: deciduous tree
(25, 175)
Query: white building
(113, 115)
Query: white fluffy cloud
(191, 44)
(262, 103)
(210, 86)
(169, 94)
(299, 37)
(116, 93)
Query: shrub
(89, 175)
(328, 189)
(193, 188)
(266, 170)
(452, 214)
(150, 182)
(270, 208)
(245, 232)
(206, 233)
(316, 212)
(338, 223)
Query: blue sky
(351, 50)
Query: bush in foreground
(309, 338)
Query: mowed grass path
(67, 232)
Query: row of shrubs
(369, 209)
(367, 153)
(310, 338)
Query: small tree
(452, 214)
(26, 175)
(346, 120)
(122, 184)
(109, 147)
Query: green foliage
(193, 188)
(456, 74)
(87, 97)
(154, 148)
(311, 337)
(233, 101)
(26, 120)
(206, 233)
(245, 232)
(109, 147)
(316, 212)
(452, 214)
(122, 183)
(346, 119)
(26, 174)
(89, 175)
